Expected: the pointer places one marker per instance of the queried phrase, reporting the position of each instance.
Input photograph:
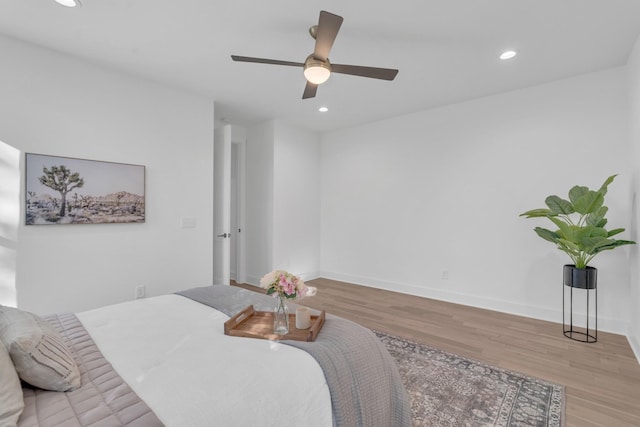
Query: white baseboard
(542, 313)
(310, 276)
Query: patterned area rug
(449, 390)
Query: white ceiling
(446, 50)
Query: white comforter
(173, 353)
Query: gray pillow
(40, 355)
(11, 403)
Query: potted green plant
(581, 232)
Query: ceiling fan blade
(265, 61)
(372, 72)
(309, 90)
(328, 27)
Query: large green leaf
(614, 244)
(603, 187)
(592, 245)
(590, 238)
(597, 218)
(546, 234)
(568, 246)
(615, 231)
(559, 205)
(590, 231)
(576, 192)
(589, 202)
(536, 213)
(565, 230)
(624, 242)
(578, 238)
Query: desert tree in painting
(62, 180)
(62, 190)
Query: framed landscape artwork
(63, 190)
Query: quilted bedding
(365, 388)
(104, 399)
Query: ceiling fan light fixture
(508, 54)
(69, 3)
(317, 75)
(316, 71)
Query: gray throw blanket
(364, 382)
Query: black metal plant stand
(585, 279)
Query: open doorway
(229, 205)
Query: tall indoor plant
(581, 232)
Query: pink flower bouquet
(286, 285)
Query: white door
(222, 205)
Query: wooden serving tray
(250, 323)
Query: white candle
(303, 318)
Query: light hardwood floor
(602, 380)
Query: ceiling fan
(317, 67)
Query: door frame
(221, 204)
(226, 137)
(241, 190)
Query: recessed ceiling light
(323, 109)
(508, 54)
(69, 3)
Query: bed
(166, 361)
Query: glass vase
(281, 317)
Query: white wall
(259, 219)
(410, 200)
(283, 200)
(296, 199)
(634, 116)
(55, 104)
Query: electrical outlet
(445, 275)
(139, 292)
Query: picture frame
(67, 190)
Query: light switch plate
(187, 222)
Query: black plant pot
(583, 278)
(580, 278)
